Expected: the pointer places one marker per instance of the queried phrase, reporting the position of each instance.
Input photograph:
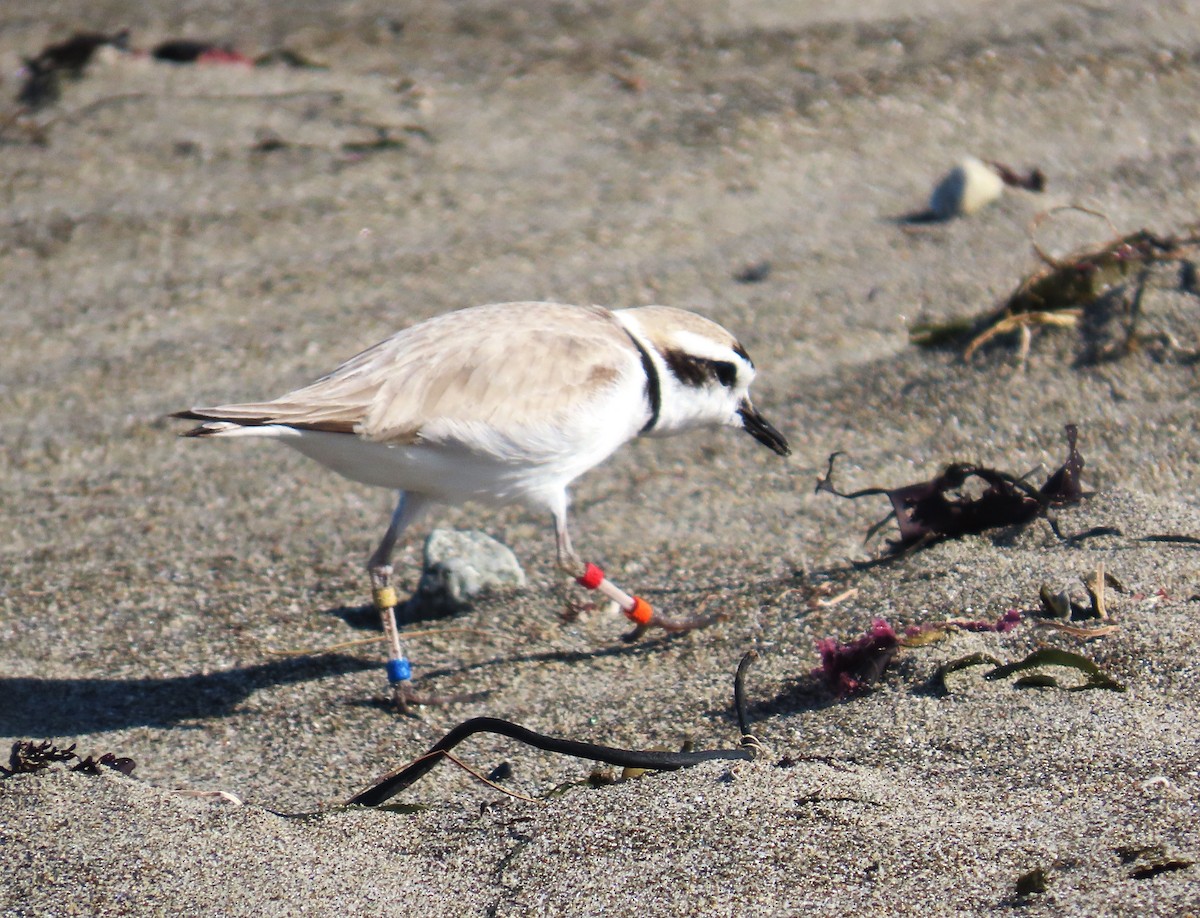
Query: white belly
(535, 474)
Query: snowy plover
(503, 403)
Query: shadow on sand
(36, 708)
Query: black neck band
(653, 384)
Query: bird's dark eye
(726, 373)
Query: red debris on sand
(849, 669)
(192, 51)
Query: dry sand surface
(178, 235)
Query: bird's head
(703, 374)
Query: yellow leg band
(386, 598)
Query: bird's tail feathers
(231, 429)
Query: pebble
(459, 566)
(969, 187)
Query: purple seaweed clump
(849, 669)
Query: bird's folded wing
(507, 367)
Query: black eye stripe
(726, 373)
(698, 371)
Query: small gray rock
(458, 567)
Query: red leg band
(641, 613)
(592, 576)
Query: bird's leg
(636, 609)
(383, 594)
(591, 577)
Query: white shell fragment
(970, 186)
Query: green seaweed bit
(942, 334)
(379, 143)
(1032, 882)
(1074, 283)
(1053, 656)
(971, 659)
(1037, 680)
(953, 666)
(1102, 681)
(1063, 288)
(559, 789)
(598, 778)
(1086, 278)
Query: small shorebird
(506, 403)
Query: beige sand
(161, 249)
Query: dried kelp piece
(1004, 624)
(1063, 486)
(396, 781)
(1172, 539)
(1079, 632)
(932, 509)
(849, 669)
(75, 53)
(1045, 656)
(65, 58)
(1053, 656)
(1130, 854)
(27, 756)
(1033, 180)
(1062, 291)
(1036, 680)
(289, 57)
(91, 766)
(197, 51)
(1096, 584)
(938, 509)
(405, 776)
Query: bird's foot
(636, 609)
(574, 609)
(673, 626)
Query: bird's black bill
(756, 425)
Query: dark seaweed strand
(739, 694)
(627, 758)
